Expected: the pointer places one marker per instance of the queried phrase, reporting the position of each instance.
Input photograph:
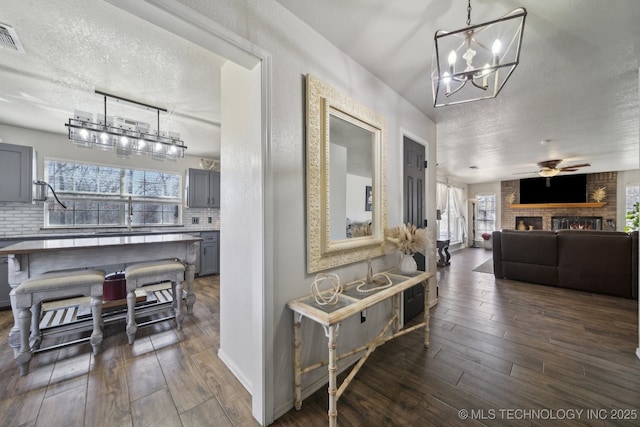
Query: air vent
(9, 38)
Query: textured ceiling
(74, 47)
(576, 86)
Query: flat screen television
(560, 189)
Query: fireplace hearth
(576, 223)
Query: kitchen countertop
(32, 246)
(94, 234)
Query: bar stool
(146, 273)
(28, 298)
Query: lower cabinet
(4, 283)
(4, 279)
(209, 253)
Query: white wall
(297, 50)
(241, 251)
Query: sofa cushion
(596, 261)
(525, 272)
(537, 247)
(530, 256)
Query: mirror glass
(346, 206)
(350, 178)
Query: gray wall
(296, 51)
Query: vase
(521, 226)
(408, 264)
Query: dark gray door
(414, 213)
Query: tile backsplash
(18, 219)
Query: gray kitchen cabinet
(4, 283)
(204, 189)
(16, 173)
(4, 278)
(209, 253)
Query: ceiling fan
(549, 168)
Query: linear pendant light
(124, 136)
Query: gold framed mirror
(346, 171)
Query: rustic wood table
(34, 257)
(351, 302)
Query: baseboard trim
(235, 371)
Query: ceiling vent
(9, 38)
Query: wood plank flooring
(507, 353)
(166, 378)
(500, 350)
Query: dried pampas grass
(361, 230)
(407, 238)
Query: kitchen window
(100, 195)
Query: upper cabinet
(16, 173)
(204, 189)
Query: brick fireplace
(550, 218)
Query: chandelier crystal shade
(475, 62)
(124, 136)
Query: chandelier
(124, 136)
(464, 68)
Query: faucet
(130, 214)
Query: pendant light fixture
(475, 62)
(124, 136)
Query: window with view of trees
(97, 195)
(632, 200)
(486, 213)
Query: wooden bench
(138, 275)
(27, 298)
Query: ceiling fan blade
(581, 165)
(525, 173)
(568, 170)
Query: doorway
(244, 333)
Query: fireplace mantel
(557, 205)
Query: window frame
(168, 205)
(488, 224)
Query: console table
(34, 257)
(351, 302)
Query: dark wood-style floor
(507, 353)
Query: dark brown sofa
(604, 262)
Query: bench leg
(36, 334)
(24, 355)
(177, 298)
(132, 326)
(96, 314)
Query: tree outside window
(98, 195)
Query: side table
(443, 246)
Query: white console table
(351, 302)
